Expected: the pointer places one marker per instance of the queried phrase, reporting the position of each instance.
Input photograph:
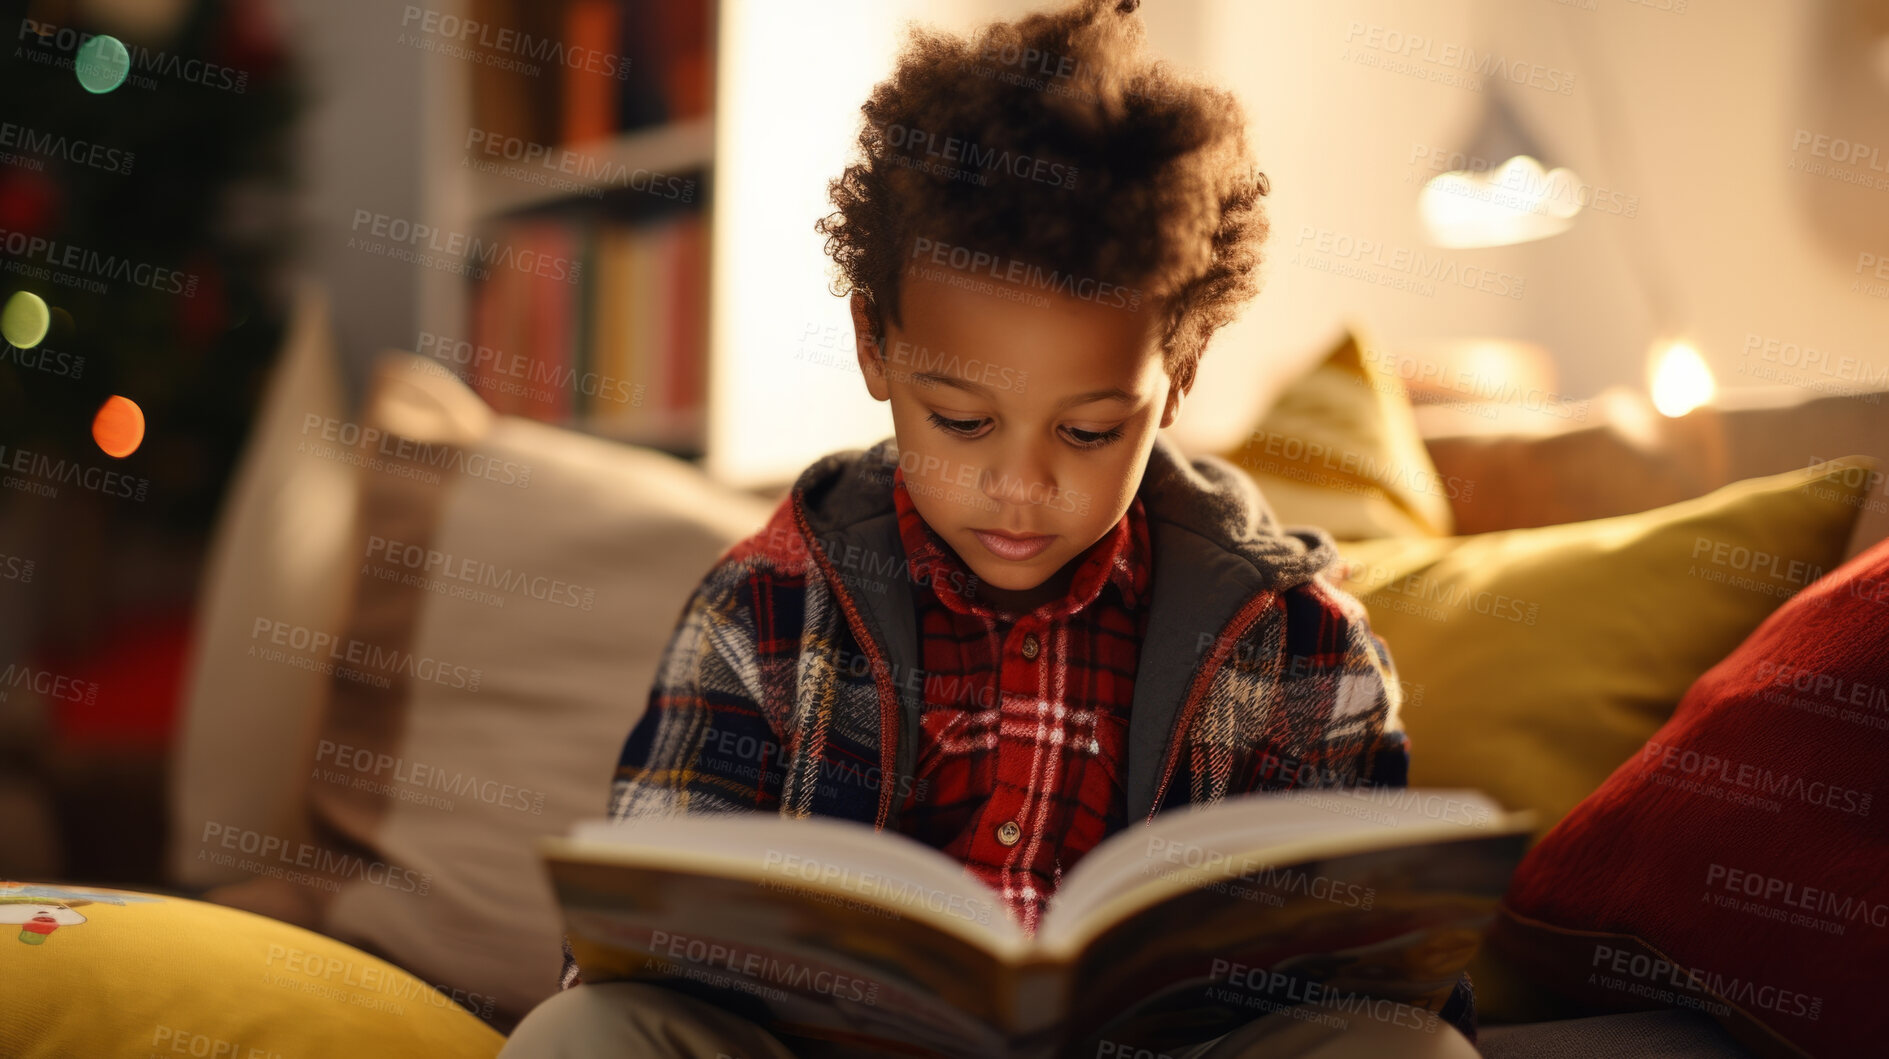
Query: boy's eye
(955, 426)
(1094, 439)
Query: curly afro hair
(1052, 142)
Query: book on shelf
(1358, 903)
(584, 337)
(609, 335)
(499, 325)
(687, 79)
(645, 334)
(572, 72)
(554, 302)
(592, 29)
(504, 90)
(609, 316)
(688, 310)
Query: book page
(1376, 936)
(819, 928)
(1244, 835)
(839, 858)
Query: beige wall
(1688, 116)
(1693, 113)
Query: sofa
(426, 629)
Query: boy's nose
(1017, 478)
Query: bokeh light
(25, 319)
(119, 426)
(1679, 378)
(102, 64)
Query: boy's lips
(1015, 547)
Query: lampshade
(1505, 195)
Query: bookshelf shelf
(594, 169)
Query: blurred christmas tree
(155, 220)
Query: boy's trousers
(623, 1019)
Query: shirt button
(1008, 833)
(1029, 646)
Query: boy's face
(1018, 420)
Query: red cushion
(1740, 862)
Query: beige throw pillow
(515, 585)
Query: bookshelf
(569, 147)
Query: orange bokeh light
(119, 426)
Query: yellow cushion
(108, 972)
(1340, 449)
(1535, 661)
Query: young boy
(1025, 621)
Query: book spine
(551, 301)
(488, 321)
(644, 327)
(686, 80)
(688, 388)
(640, 94)
(501, 95)
(671, 289)
(611, 338)
(584, 325)
(591, 30)
(565, 296)
(541, 28)
(528, 336)
(504, 311)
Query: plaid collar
(1120, 558)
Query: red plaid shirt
(1025, 716)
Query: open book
(1360, 903)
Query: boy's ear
(1173, 409)
(866, 347)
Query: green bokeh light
(25, 319)
(102, 64)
